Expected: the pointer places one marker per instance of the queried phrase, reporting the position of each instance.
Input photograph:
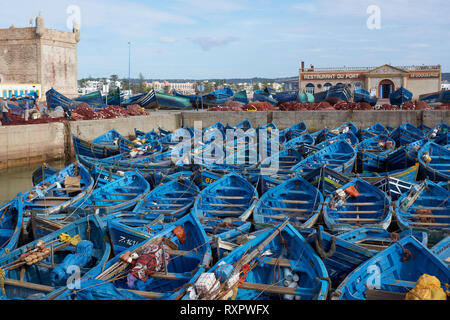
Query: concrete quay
(29, 144)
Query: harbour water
(15, 180)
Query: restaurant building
(379, 81)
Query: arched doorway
(310, 88)
(385, 88)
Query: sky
(201, 39)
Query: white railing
(409, 68)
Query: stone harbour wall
(29, 144)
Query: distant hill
(446, 76)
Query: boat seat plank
(275, 289)
(29, 285)
(358, 220)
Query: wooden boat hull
(41, 280)
(371, 208)
(259, 281)
(397, 271)
(295, 198)
(428, 210)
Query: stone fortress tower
(40, 56)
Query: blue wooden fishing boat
(339, 256)
(183, 254)
(326, 180)
(346, 127)
(395, 270)
(264, 96)
(224, 229)
(442, 250)
(218, 97)
(349, 137)
(357, 203)
(439, 134)
(320, 96)
(55, 99)
(94, 99)
(408, 175)
(425, 129)
(400, 96)
(405, 156)
(114, 99)
(378, 239)
(393, 187)
(373, 152)
(372, 131)
(299, 141)
(425, 208)
(241, 97)
(337, 93)
(269, 262)
(59, 191)
(92, 149)
(172, 199)
(119, 195)
(362, 95)
(146, 100)
(295, 198)
(322, 135)
(339, 156)
(11, 223)
(230, 196)
(431, 98)
(434, 162)
(293, 132)
(406, 133)
(127, 229)
(40, 268)
(169, 102)
(287, 96)
(42, 173)
(444, 97)
(280, 163)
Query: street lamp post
(129, 69)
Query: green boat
(169, 102)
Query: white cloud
(207, 43)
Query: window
(5, 94)
(357, 86)
(310, 88)
(327, 86)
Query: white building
(102, 86)
(9, 90)
(182, 87)
(445, 85)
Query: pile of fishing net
(85, 112)
(135, 110)
(442, 107)
(223, 108)
(296, 106)
(416, 105)
(230, 105)
(259, 106)
(343, 105)
(18, 120)
(111, 112)
(388, 107)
